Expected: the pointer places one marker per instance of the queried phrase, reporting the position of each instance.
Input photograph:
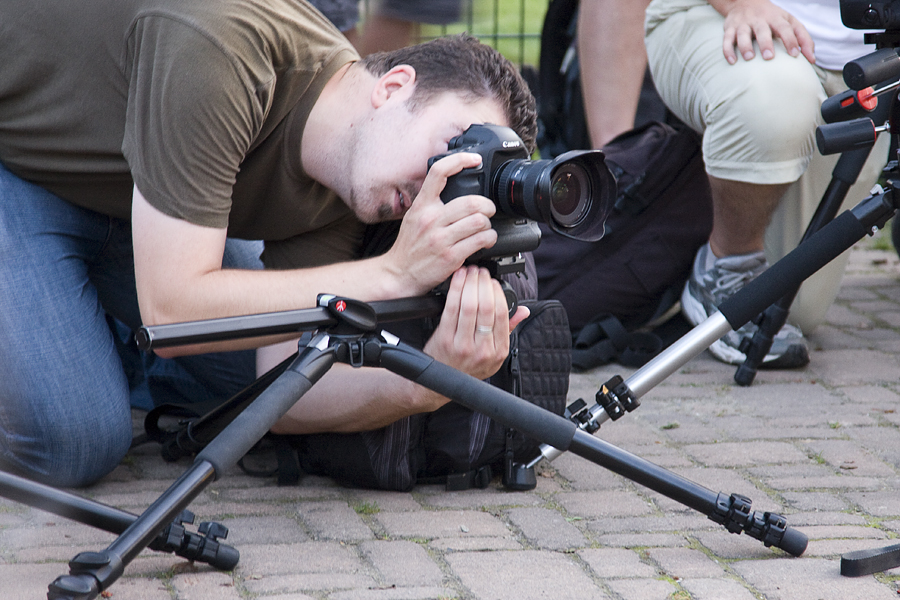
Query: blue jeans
(66, 275)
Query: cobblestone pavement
(819, 445)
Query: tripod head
(849, 115)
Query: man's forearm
(348, 400)
(226, 293)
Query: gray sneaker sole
(794, 357)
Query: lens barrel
(573, 193)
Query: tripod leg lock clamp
(203, 546)
(732, 512)
(579, 413)
(616, 398)
(769, 528)
(89, 574)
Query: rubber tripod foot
(866, 562)
(793, 542)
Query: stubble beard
(361, 198)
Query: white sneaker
(706, 289)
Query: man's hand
(746, 20)
(473, 335)
(436, 238)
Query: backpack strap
(605, 340)
(477, 478)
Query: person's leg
(799, 204)
(64, 412)
(203, 378)
(741, 213)
(753, 147)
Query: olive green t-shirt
(200, 103)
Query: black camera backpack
(453, 445)
(621, 292)
(616, 289)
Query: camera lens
(570, 195)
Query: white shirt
(835, 43)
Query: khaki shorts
(758, 121)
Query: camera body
(866, 14)
(496, 145)
(573, 193)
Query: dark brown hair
(463, 65)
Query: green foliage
(511, 26)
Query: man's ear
(398, 82)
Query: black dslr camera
(883, 64)
(865, 14)
(572, 194)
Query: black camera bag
(453, 445)
(617, 288)
(619, 291)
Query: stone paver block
(641, 540)
(879, 504)
(642, 589)
(850, 458)
(440, 524)
(525, 575)
(333, 520)
(614, 562)
(309, 557)
(684, 563)
(546, 528)
(394, 593)
(716, 589)
(476, 499)
(593, 505)
(205, 586)
(811, 501)
(402, 563)
(308, 583)
(471, 544)
(262, 530)
(740, 454)
(809, 579)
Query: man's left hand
(473, 335)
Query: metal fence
(511, 26)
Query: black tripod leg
(193, 436)
(202, 547)
(770, 321)
(731, 511)
(562, 434)
(92, 572)
(807, 258)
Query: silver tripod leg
(654, 372)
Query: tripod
(348, 331)
(854, 138)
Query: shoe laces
(729, 282)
